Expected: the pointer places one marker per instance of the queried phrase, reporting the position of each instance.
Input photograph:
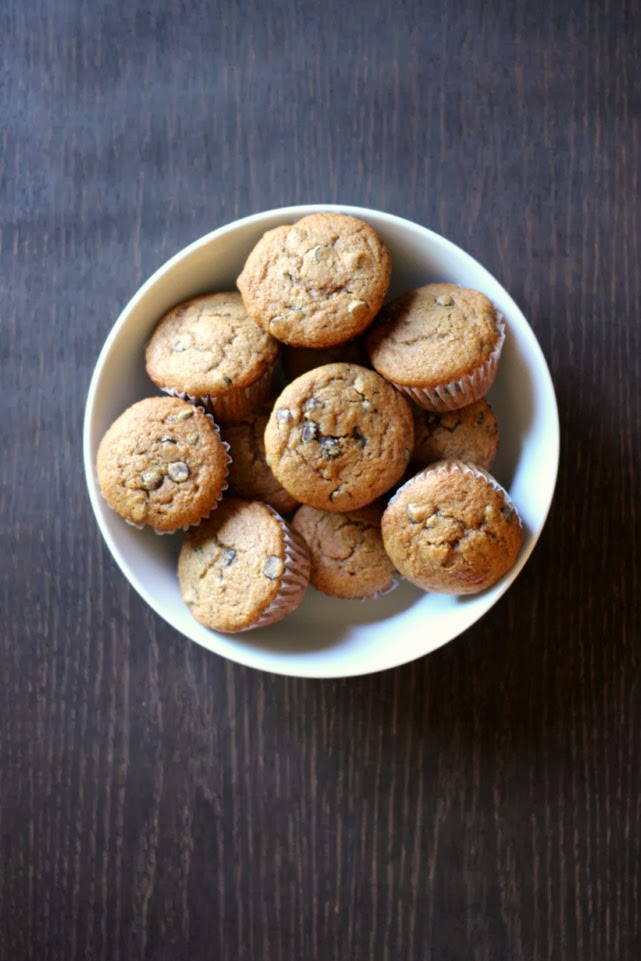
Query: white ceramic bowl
(327, 637)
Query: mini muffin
(162, 463)
(209, 350)
(298, 360)
(339, 436)
(468, 434)
(242, 568)
(249, 475)
(346, 551)
(317, 282)
(452, 529)
(440, 344)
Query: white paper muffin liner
(236, 403)
(461, 467)
(224, 486)
(396, 578)
(465, 390)
(395, 581)
(294, 580)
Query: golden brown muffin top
(468, 434)
(339, 436)
(208, 346)
(317, 282)
(162, 463)
(452, 529)
(433, 335)
(346, 551)
(233, 566)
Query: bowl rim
(247, 655)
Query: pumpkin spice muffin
(249, 475)
(440, 344)
(339, 436)
(317, 282)
(242, 568)
(209, 350)
(452, 529)
(346, 551)
(468, 434)
(162, 463)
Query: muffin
(249, 475)
(210, 351)
(346, 551)
(439, 344)
(452, 529)
(317, 282)
(338, 437)
(162, 463)
(243, 568)
(468, 434)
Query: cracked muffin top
(433, 334)
(468, 434)
(209, 346)
(452, 529)
(317, 282)
(162, 463)
(346, 551)
(339, 436)
(242, 568)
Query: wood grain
(160, 803)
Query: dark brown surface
(160, 803)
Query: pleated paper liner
(464, 390)
(235, 404)
(294, 580)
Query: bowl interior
(326, 637)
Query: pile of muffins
(313, 434)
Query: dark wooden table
(160, 803)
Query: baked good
(242, 568)
(210, 351)
(452, 529)
(162, 463)
(250, 477)
(468, 434)
(317, 282)
(440, 344)
(339, 436)
(346, 551)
